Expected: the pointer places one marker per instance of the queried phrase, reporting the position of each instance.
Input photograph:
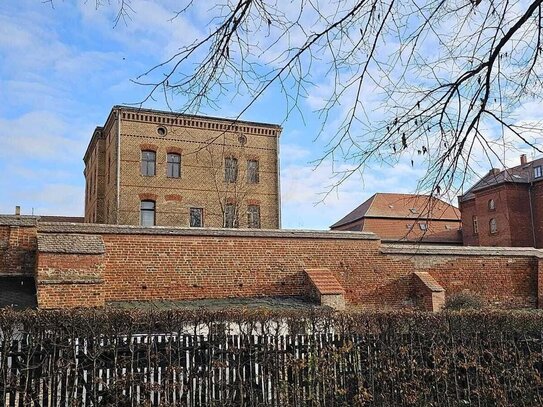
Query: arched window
(491, 205)
(493, 226)
(147, 213)
(174, 166)
(148, 160)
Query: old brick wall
(537, 208)
(17, 245)
(504, 277)
(177, 264)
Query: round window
(242, 138)
(161, 131)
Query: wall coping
(69, 228)
(460, 250)
(18, 220)
(71, 243)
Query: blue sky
(61, 70)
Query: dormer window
(537, 172)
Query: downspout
(118, 113)
(277, 149)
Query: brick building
(148, 167)
(405, 217)
(505, 207)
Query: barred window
(148, 163)
(196, 217)
(252, 172)
(230, 216)
(147, 213)
(174, 166)
(253, 216)
(230, 169)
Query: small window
(173, 169)
(413, 210)
(423, 226)
(252, 172)
(148, 160)
(491, 205)
(253, 216)
(537, 172)
(493, 226)
(147, 213)
(230, 216)
(475, 225)
(230, 169)
(196, 217)
(161, 131)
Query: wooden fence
(387, 360)
(183, 370)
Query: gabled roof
(401, 206)
(521, 174)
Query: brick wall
(537, 208)
(17, 246)
(512, 214)
(177, 264)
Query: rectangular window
(148, 163)
(423, 226)
(230, 216)
(174, 166)
(196, 217)
(147, 213)
(537, 172)
(475, 225)
(230, 169)
(253, 216)
(252, 172)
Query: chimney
(523, 159)
(17, 210)
(494, 171)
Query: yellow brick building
(149, 167)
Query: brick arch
(147, 146)
(146, 196)
(253, 202)
(174, 150)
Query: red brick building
(505, 208)
(405, 217)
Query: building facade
(148, 167)
(505, 207)
(405, 218)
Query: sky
(62, 68)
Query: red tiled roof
(402, 206)
(521, 174)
